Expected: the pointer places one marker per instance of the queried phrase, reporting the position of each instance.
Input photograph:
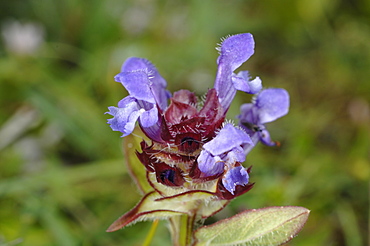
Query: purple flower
(147, 99)
(224, 153)
(191, 145)
(269, 105)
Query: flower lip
(228, 138)
(210, 165)
(272, 104)
(235, 176)
(124, 118)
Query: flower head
(199, 147)
(192, 153)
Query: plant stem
(181, 228)
(151, 233)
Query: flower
(225, 152)
(147, 99)
(269, 105)
(194, 158)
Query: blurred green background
(62, 174)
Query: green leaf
(265, 226)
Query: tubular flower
(192, 157)
(269, 105)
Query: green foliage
(62, 174)
(265, 226)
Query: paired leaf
(265, 226)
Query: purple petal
(242, 82)
(124, 118)
(248, 113)
(264, 137)
(235, 155)
(255, 138)
(137, 83)
(269, 105)
(248, 120)
(210, 165)
(135, 64)
(272, 104)
(149, 118)
(234, 51)
(129, 111)
(146, 86)
(145, 82)
(154, 132)
(227, 139)
(235, 176)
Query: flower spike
(190, 166)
